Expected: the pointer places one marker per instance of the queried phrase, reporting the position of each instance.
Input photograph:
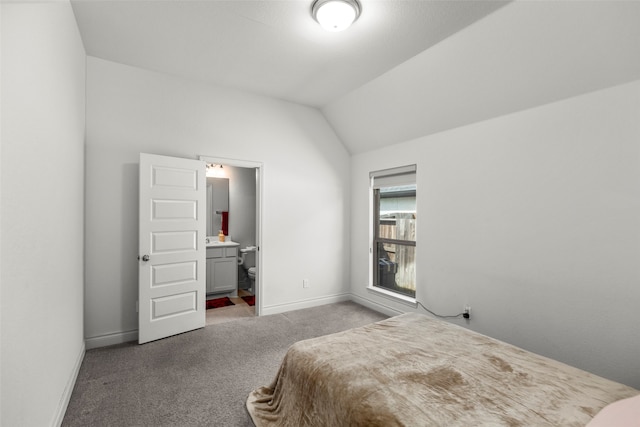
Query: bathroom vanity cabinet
(222, 269)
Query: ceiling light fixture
(335, 15)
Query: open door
(172, 248)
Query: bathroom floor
(233, 312)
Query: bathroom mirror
(217, 203)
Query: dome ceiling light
(335, 15)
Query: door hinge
(137, 306)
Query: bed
(412, 370)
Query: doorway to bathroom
(234, 206)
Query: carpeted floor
(200, 378)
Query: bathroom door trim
(259, 167)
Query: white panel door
(172, 261)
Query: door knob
(144, 257)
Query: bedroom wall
(305, 186)
(533, 219)
(43, 106)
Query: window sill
(393, 296)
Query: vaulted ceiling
(405, 69)
(269, 47)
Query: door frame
(259, 167)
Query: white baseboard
(313, 302)
(122, 337)
(375, 305)
(68, 388)
(111, 339)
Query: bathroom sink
(214, 242)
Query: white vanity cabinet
(222, 269)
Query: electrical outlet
(305, 283)
(466, 312)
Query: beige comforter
(411, 370)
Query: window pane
(396, 268)
(397, 213)
(394, 232)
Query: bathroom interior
(231, 241)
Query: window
(393, 248)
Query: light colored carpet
(200, 378)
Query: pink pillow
(623, 413)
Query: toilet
(252, 277)
(251, 271)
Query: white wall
(533, 219)
(43, 105)
(242, 205)
(306, 182)
(1, 134)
